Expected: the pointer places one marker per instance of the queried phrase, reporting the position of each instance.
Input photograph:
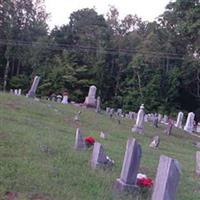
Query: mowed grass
(28, 126)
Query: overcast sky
(60, 10)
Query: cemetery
(46, 154)
(100, 100)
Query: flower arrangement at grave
(89, 141)
(145, 184)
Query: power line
(71, 47)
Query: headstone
(90, 100)
(167, 179)
(19, 92)
(98, 106)
(77, 116)
(128, 177)
(155, 142)
(165, 119)
(168, 130)
(34, 86)
(198, 163)
(139, 126)
(131, 115)
(79, 141)
(146, 118)
(59, 98)
(179, 120)
(99, 158)
(16, 92)
(11, 91)
(155, 121)
(103, 135)
(189, 123)
(159, 117)
(111, 112)
(119, 111)
(108, 110)
(65, 99)
(53, 97)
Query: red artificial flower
(90, 140)
(145, 182)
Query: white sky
(60, 10)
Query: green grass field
(62, 173)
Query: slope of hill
(37, 155)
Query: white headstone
(34, 86)
(16, 92)
(19, 92)
(189, 123)
(65, 99)
(139, 126)
(90, 100)
(98, 105)
(179, 120)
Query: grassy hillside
(37, 155)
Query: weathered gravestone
(119, 111)
(159, 117)
(168, 130)
(165, 119)
(198, 163)
(139, 126)
(16, 92)
(32, 91)
(19, 92)
(131, 115)
(179, 120)
(103, 135)
(155, 121)
(99, 158)
(167, 179)
(155, 142)
(98, 106)
(77, 116)
(127, 181)
(189, 123)
(90, 100)
(108, 110)
(65, 99)
(79, 141)
(59, 98)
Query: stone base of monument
(90, 102)
(31, 94)
(120, 187)
(138, 129)
(188, 129)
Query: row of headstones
(17, 92)
(189, 125)
(120, 113)
(59, 98)
(90, 100)
(167, 177)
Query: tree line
(131, 61)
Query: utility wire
(88, 48)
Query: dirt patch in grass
(25, 196)
(40, 197)
(3, 136)
(11, 105)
